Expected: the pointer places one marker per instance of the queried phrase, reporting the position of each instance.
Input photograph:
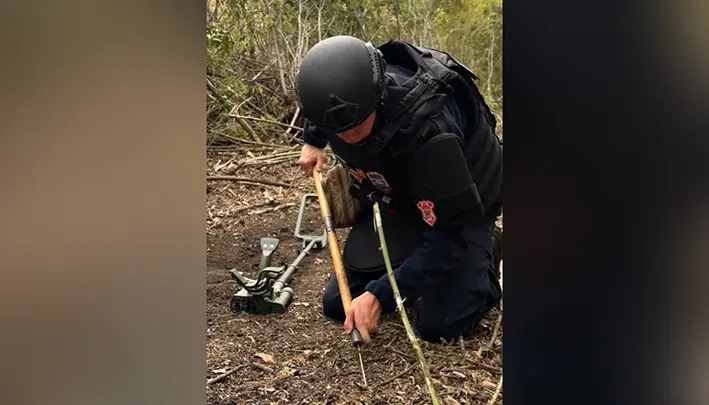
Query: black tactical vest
(412, 114)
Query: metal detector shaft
(269, 292)
(283, 279)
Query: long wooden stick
(342, 284)
(332, 242)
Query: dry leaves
(265, 357)
(286, 372)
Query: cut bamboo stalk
(400, 306)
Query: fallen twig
(264, 163)
(225, 375)
(491, 343)
(495, 331)
(481, 365)
(236, 109)
(247, 128)
(219, 166)
(246, 180)
(265, 210)
(401, 374)
(292, 155)
(248, 207)
(280, 157)
(404, 355)
(262, 367)
(242, 122)
(246, 141)
(388, 345)
(246, 117)
(224, 148)
(497, 392)
(289, 153)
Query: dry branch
(266, 160)
(266, 163)
(401, 374)
(262, 367)
(495, 331)
(491, 343)
(248, 207)
(321, 4)
(246, 141)
(247, 128)
(281, 70)
(287, 153)
(247, 180)
(245, 117)
(241, 122)
(212, 89)
(225, 375)
(480, 365)
(287, 134)
(277, 208)
(255, 107)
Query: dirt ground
(300, 357)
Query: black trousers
(454, 307)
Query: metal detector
(269, 292)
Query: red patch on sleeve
(426, 208)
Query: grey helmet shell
(340, 82)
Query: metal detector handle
(299, 223)
(265, 262)
(356, 338)
(268, 246)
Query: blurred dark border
(102, 190)
(102, 219)
(605, 194)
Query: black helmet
(340, 82)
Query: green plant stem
(400, 306)
(495, 395)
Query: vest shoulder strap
(442, 66)
(423, 99)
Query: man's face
(359, 132)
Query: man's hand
(311, 156)
(364, 312)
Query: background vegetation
(255, 46)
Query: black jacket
(442, 247)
